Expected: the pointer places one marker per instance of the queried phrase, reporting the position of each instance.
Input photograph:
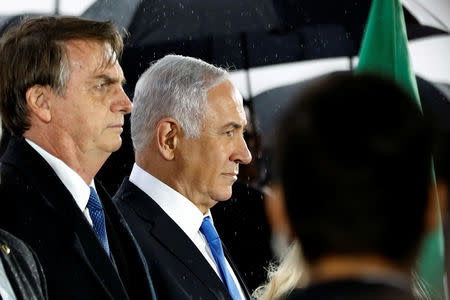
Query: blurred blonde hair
(289, 273)
(283, 276)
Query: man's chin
(114, 149)
(223, 196)
(114, 146)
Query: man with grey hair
(187, 129)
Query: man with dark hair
(61, 97)
(355, 157)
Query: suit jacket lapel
(236, 272)
(128, 257)
(67, 213)
(91, 252)
(167, 232)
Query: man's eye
(229, 133)
(100, 86)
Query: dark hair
(34, 53)
(355, 163)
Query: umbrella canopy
(150, 22)
(215, 31)
(121, 12)
(180, 20)
(435, 13)
(238, 34)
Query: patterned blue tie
(215, 245)
(98, 219)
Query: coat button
(6, 249)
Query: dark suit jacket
(22, 268)
(178, 268)
(241, 222)
(351, 290)
(37, 208)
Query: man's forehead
(94, 55)
(224, 100)
(77, 47)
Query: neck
(84, 164)
(347, 267)
(167, 172)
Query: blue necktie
(215, 245)
(98, 219)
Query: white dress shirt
(182, 211)
(72, 181)
(6, 291)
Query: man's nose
(242, 155)
(122, 103)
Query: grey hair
(174, 86)
(63, 75)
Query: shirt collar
(72, 181)
(180, 209)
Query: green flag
(384, 51)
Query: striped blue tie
(98, 219)
(215, 245)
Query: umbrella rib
(431, 14)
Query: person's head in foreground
(355, 168)
(187, 128)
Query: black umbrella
(214, 31)
(238, 34)
(155, 21)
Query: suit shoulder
(13, 182)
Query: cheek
(217, 160)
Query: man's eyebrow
(234, 125)
(109, 80)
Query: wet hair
(34, 53)
(355, 164)
(174, 86)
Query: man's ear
(433, 211)
(167, 134)
(276, 211)
(39, 102)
